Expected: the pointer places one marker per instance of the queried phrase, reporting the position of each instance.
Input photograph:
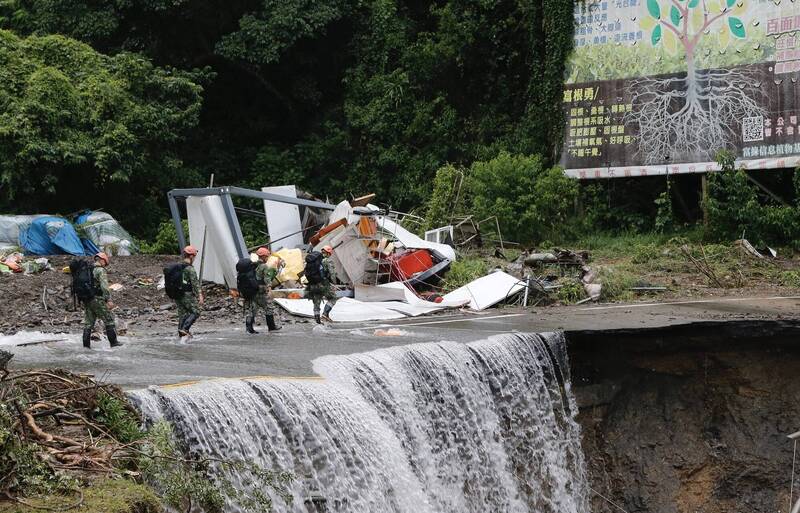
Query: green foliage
(790, 279)
(118, 418)
(263, 37)
(166, 240)
(665, 217)
(571, 291)
(735, 209)
(441, 204)
(181, 481)
(644, 253)
(75, 122)
(530, 202)
(464, 270)
(337, 96)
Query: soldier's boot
(187, 324)
(248, 322)
(111, 333)
(87, 338)
(181, 322)
(326, 313)
(271, 323)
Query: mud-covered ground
(43, 301)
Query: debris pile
(69, 423)
(382, 269)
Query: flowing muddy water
(434, 427)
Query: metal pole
(233, 224)
(176, 219)
(794, 458)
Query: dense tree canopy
(338, 96)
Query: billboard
(660, 86)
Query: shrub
(530, 202)
(734, 209)
(571, 291)
(441, 204)
(166, 242)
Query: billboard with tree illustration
(660, 86)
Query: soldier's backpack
(83, 286)
(173, 281)
(246, 281)
(313, 270)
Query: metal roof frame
(226, 194)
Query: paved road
(224, 351)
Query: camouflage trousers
(97, 309)
(262, 301)
(187, 304)
(316, 293)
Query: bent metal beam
(226, 194)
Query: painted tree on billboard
(702, 110)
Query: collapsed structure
(383, 270)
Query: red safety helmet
(102, 256)
(327, 249)
(263, 252)
(190, 250)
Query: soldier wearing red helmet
(190, 296)
(96, 300)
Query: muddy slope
(690, 419)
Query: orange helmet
(263, 252)
(327, 249)
(190, 250)
(102, 256)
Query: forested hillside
(109, 104)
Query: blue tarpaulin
(52, 235)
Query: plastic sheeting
(207, 222)
(50, 235)
(106, 233)
(487, 290)
(11, 226)
(345, 310)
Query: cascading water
(446, 428)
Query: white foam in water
(448, 428)
(28, 337)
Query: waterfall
(428, 428)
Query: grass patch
(789, 279)
(617, 282)
(465, 270)
(104, 496)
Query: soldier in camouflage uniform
(99, 307)
(324, 290)
(265, 274)
(190, 302)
